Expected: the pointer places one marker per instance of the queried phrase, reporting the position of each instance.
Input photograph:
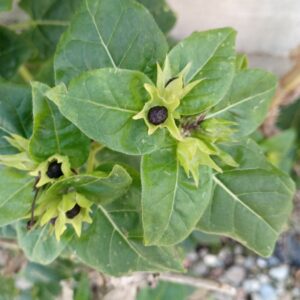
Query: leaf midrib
(236, 198)
(115, 227)
(213, 115)
(108, 107)
(100, 36)
(16, 193)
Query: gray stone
(261, 263)
(251, 285)
(235, 275)
(280, 273)
(268, 292)
(211, 261)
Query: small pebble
(261, 263)
(235, 275)
(249, 262)
(279, 273)
(273, 261)
(251, 285)
(267, 292)
(211, 261)
(200, 269)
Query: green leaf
(98, 188)
(53, 17)
(109, 33)
(251, 203)
(102, 103)
(39, 245)
(280, 149)
(5, 5)
(14, 50)
(248, 100)
(83, 289)
(53, 133)
(16, 195)
(171, 203)
(126, 211)
(212, 58)
(8, 289)
(162, 13)
(15, 113)
(101, 244)
(166, 291)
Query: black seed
(72, 213)
(54, 170)
(157, 115)
(170, 80)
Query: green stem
(25, 74)
(95, 148)
(34, 23)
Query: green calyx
(199, 149)
(47, 170)
(167, 95)
(73, 208)
(22, 160)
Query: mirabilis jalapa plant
(136, 146)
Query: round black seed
(54, 170)
(72, 213)
(157, 115)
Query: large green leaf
(212, 59)
(98, 188)
(166, 291)
(171, 202)
(251, 203)
(14, 50)
(53, 133)
(106, 248)
(162, 13)
(248, 100)
(15, 113)
(39, 245)
(102, 103)
(16, 195)
(126, 211)
(109, 33)
(52, 17)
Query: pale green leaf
(250, 203)
(162, 13)
(15, 113)
(211, 57)
(166, 291)
(171, 202)
(102, 103)
(53, 133)
(248, 100)
(98, 188)
(109, 33)
(16, 195)
(106, 248)
(39, 244)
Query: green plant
(133, 146)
